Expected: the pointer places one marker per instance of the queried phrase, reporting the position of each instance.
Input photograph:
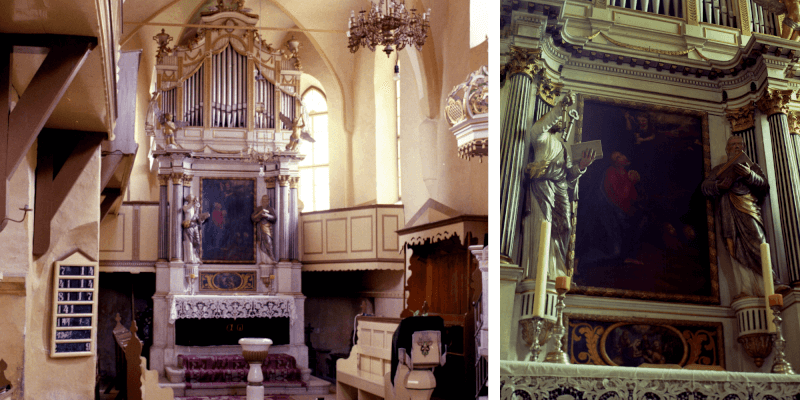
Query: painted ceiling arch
(327, 19)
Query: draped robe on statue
(552, 187)
(739, 216)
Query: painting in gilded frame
(630, 342)
(228, 234)
(643, 226)
(236, 281)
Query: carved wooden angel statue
(192, 220)
(297, 131)
(791, 20)
(168, 127)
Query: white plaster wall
(76, 225)
(15, 245)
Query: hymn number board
(74, 307)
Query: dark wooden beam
(111, 196)
(5, 95)
(42, 95)
(53, 187)
(20, 127)
(108, 168)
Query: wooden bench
(361, 376)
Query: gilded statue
(738, 187)
(192, 219)
(264, 217)
(552, 184)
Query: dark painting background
(228, 234)
(650, 236)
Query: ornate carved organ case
(222, 115)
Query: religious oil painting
(228, 235)
(632, 342)
(643, 225)
(228, 281)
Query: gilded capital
(163, 179)
(187, 180)
(794, 122)
(294, 181)
(523, 61)
(270, 181)
(741, 118)
(774, 101)
(283, 180)
(177, 178)
(549, 91)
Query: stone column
(293, 219)
(284, 216)
(163, 218)
(774, 104)
(176, 236)
(520, 74)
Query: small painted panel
(228, 281)
(631, 342)
(630, 345)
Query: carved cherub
(297, 132)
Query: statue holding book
(739, 186)
(552, 184)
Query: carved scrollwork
(741, 118)
(522, 61)
(794, 123)
(774, 101)
(549, 91)
(469, 98)
(627, 386)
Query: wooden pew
(360, 376)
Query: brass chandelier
(387, 23)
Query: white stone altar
(220, 306)
(527, 380)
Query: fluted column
(774, 105)
(163, 218)
(176, 242)
(293, 236)
(520, 73)
(284, 216)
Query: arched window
(314, 169)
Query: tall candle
(541, 270)
(769, 288)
